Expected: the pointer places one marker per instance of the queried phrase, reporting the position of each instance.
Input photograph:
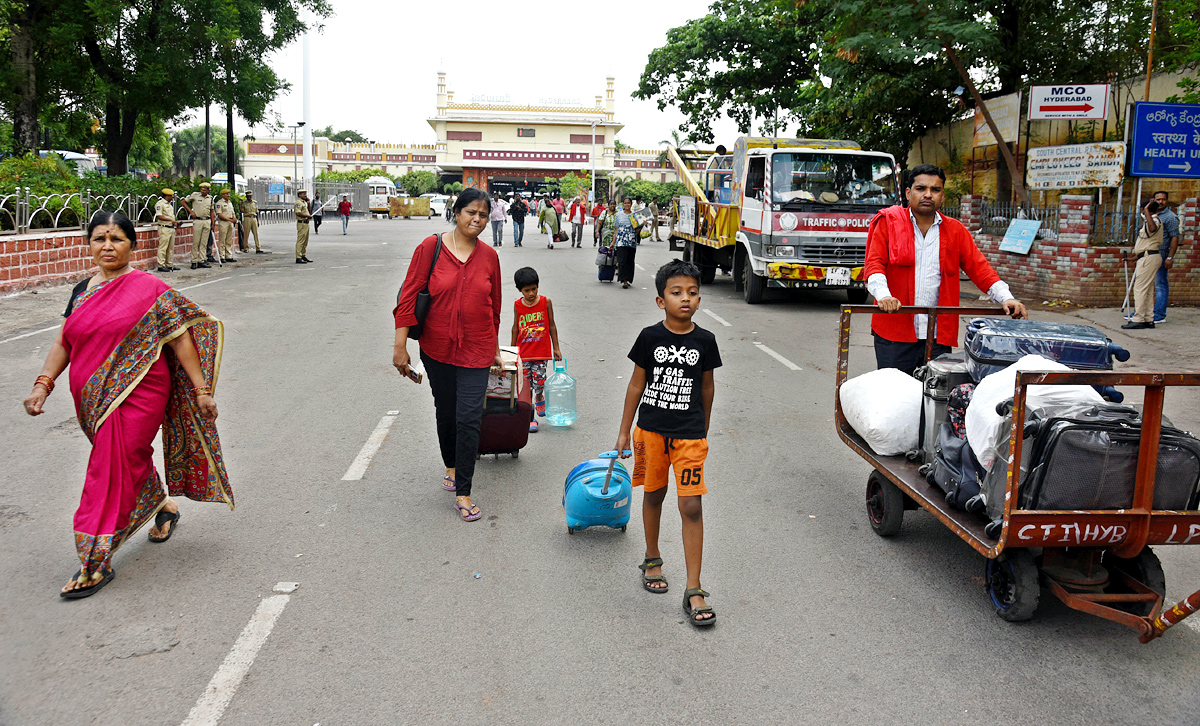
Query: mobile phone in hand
(415, 374)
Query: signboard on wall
(1020, 235)
(1074, 102)
(1006, 112)
(1165, 140)
(1076, 166)
(687, 215)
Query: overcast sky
(375, 70)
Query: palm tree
(675, 141)
(187, 150)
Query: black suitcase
(505, 425)
(1086, 458)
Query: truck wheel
(1145, 568)
(753, 286)
(689, 251)
(856, 296)
(1012, 583)
(885, 505)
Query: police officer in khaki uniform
(250, 221)
(225, 221)
(302, 218)
(201, 212)
(164, 217)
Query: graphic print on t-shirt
(669, 387)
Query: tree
(1179, 43)
(188, 148)
(355, 177)
(329, 133)
(417, 183)
(571, 184)
(152, 148)
(675, 142)
(452, 188)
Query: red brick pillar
(1189, 219)
(970, 211)
(1074, 219)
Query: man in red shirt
(344, 210)
(913, 258)
(597, 212)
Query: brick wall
(1068, 269)
(52, 258)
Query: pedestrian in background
(517, 211)
(497, 216)
(201, 212)
(318, 211)
(225, 219)
(626, 237)
(548, 222)
(300, 209)
(671, 392)
(1146, 251)
(1170, 245)
(164, 217)
(557, 202)
(578, 217)
(460, 336)
(125, 389)
(654, 219)
(344, 209)
(598, 210)
(249, 210)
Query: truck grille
(840, 255)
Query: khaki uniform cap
(168, 192)
(205, 185)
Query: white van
(239, 183)
(380, 189)
(82, 163)
(437, 203)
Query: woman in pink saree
(142, 357)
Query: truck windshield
(832, 178)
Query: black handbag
(424, 300)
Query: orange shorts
(654, 454)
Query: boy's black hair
(525, 277)
(674, 268)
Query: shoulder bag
(424, 300)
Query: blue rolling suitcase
(996, 343)
(598, 493)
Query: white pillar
(307, 174)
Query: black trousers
(317, 223)
(908, 357)
(625, 267)
(458, 397)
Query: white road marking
(358, 467)
(639, 266)
(26, 335)
(248, 274)
(224, 684)
(372, 265)
(339, 267)
(202, 284)
(777, 357)
(717, 318)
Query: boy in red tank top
(535, 334)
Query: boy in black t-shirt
(671, 390)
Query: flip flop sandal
(448, 484)
(465, 512)
(647, 579)
(162, 518)
(692, 612)
(90, 589)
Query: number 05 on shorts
(654, 454)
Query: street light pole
(294, 128)
(594, 160)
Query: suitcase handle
(613, 454)
(612, 457)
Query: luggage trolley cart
(1095, 561)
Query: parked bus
(380, 189)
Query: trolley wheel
(624, 527)
(1145, 568)
(885, 505)
(515, 454)
(1012, 583)
(570, 530)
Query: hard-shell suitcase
(505, 425)
(598, 493)
(940, 376)
(992, 344)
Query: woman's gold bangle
(47, 382)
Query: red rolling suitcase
(505, 427)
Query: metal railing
(952, 210)
(282, 194)
(1114, 226)
(996, 217)
(22, 211)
